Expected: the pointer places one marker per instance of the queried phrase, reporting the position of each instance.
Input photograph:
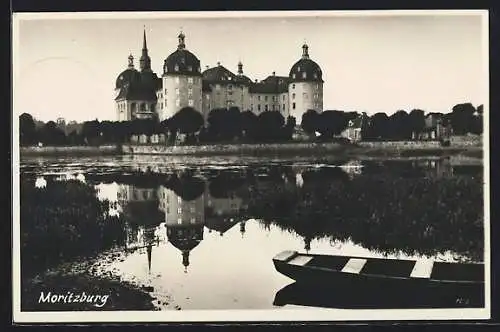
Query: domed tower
(306, 86)
(182, 82)
(127, 78)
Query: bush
(62, 221)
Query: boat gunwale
(380, 276)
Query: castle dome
(182, 61)
(129, 75)
(306, 70)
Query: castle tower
(182, 82)
(305, 89)
(145, 61)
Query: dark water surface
(202, 232)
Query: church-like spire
(305, 51)
(149, 249)
(185, 260)
(182, 42)
(242, 228)
(130, 61)
(240, 68)
(145, 61)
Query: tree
(233, 123)
(51, 135)
(91, 131)
(249, 124)
(270, 124)
(310, 121)
(379, 126)
(331, 123)
(27, 130)
(216, 123)
(399, 125)
(188, 121)
(416, 121)
(462, 117)
(289, 128)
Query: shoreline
(363, 149)
(93, 276)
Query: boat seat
(422, 269)
(300, 260)
(354, 265)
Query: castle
(141, 94)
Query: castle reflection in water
(157, 214)
(191, 204)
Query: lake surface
(202, 232)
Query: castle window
(304, 75)
(177, 80)
(165, 91)
(304, 95)
(190, 80)
(179, 210)
(208, 97)
(177, 91)
(272, 107)
(258, 107)
(192, 220)
(278, 107)
(190, 102)
(179, 221)
(177, 102)
(190, 91)
(183, 60)
(251, 107)
(298, 68)
(293, 95)
(190, 68)
(283, 97)
(315, 75)
(317, 85)
(217, 87)
(284, 107)
(230, 93)
(293, 85)
(265, 98)
(293, 106)
(293, 76)
(266, 107)
(258, 97)
(229, 86)
(176, 68)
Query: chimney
(207, 66)
(218, 63)
(274, 73)
(256, 80)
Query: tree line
(229, 125)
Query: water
(202, 231)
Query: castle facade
(141, 94)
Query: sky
(66, 66)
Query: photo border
(271, 315)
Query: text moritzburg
(70, 297)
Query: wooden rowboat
(377, 272)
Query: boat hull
(329, 278)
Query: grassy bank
(69, 150)
(121, 295)
(279, 149)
